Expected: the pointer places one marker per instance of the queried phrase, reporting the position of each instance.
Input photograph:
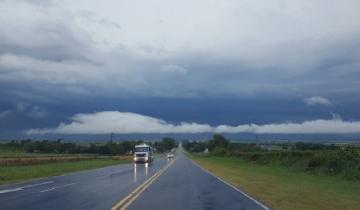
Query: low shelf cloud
(133, 123)
(120, 122)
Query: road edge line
(232, 186)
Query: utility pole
(111, 137)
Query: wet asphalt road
(94, 189)
(183, 185)
(186, 186)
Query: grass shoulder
(16, 173)
(283, 189)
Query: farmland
(16, 173)
(26, 159)
(342, 160)
(283, 189)
(19, 165)
(294, 175)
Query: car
(170, 155)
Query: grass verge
(12, 174)
(282, 189)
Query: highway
(164, 184)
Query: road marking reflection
(124, 203)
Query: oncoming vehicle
(143, 153)
(170, 155)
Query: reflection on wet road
(93, 189)
(185, 185)
(141, 169)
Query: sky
(165, 67)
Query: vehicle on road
(143, 153)
(170, 155)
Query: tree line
(219, 144)
(109, 148)
(301, 156)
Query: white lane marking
(232, 186)
(11, 190)
(57, 187)
(24, 187)
(39, 184)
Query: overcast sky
(267, 66)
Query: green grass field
(282, 189)
(7, 153)
(12, 153)
(12, 174)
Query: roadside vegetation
(16, 173)
(286, 175)
(333, 160)
(29, 147)
(26, 159)
(284, 189)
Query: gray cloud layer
(236, 48)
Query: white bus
(143, 153)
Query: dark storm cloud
(56, 54)
(57, 48)
(43, 37)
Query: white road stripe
(57, 187)
(11, 190)
(24, 187)
(39, 184)
(47, 190)
(232, 186)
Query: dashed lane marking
(57, 187)
(25, 187)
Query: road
(164, 184)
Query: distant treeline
(219, 143)
(61, 147)
(315, 157)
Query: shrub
(335, 165)
(219, 151)
(315, 162)
(351, 173)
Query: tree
(168, 143)
(218, 141)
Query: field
(8, 153)
(284, 189)
(19, 166)
(27, 159)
